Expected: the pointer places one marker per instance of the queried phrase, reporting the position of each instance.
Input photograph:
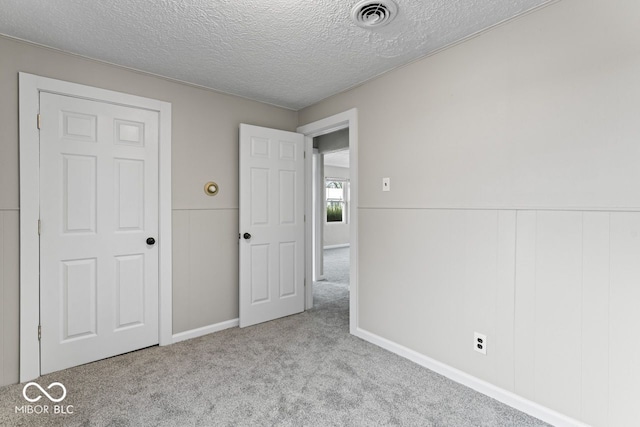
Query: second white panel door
(271, 224)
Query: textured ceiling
(290, 53)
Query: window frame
(344, 201)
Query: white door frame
(317, 219)
(347, 119)
(30, 88)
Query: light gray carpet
(303, 370)
(336, 266)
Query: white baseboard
(344, 245)
(518, 402)
(195, 333)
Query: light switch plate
(386, 184)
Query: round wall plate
(211, 188)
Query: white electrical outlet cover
(480, 343)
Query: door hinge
(305, 154)
(39, 227)
(39, 332)
(39, 122)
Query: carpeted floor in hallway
(336, 266)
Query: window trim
(344, 200)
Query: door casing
(317, 272)
(30, 87)
(347, 119)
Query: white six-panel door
(271, 224)
(98, 207)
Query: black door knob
(151, 241)
(247, 236)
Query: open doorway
(334, 201)
(347, 122)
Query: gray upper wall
(204, 126)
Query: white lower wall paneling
(595, 318)
(577, 276)
(556, 293)
(9, 296)
(525, 316)
(624, 320)
(503, 349)
(556, 332)
(205, 269)
(2, 309)
(181, 277)
(429, 279)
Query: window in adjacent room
(336, 195)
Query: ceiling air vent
(373, 13)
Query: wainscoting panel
(525, 316)
(556, 292)
(624, 320)
(550, 278)
(9, 296)
(430, 278)
(181, 277)
(578, 293)
(595, 318)
(205, 268)
(503, 349)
